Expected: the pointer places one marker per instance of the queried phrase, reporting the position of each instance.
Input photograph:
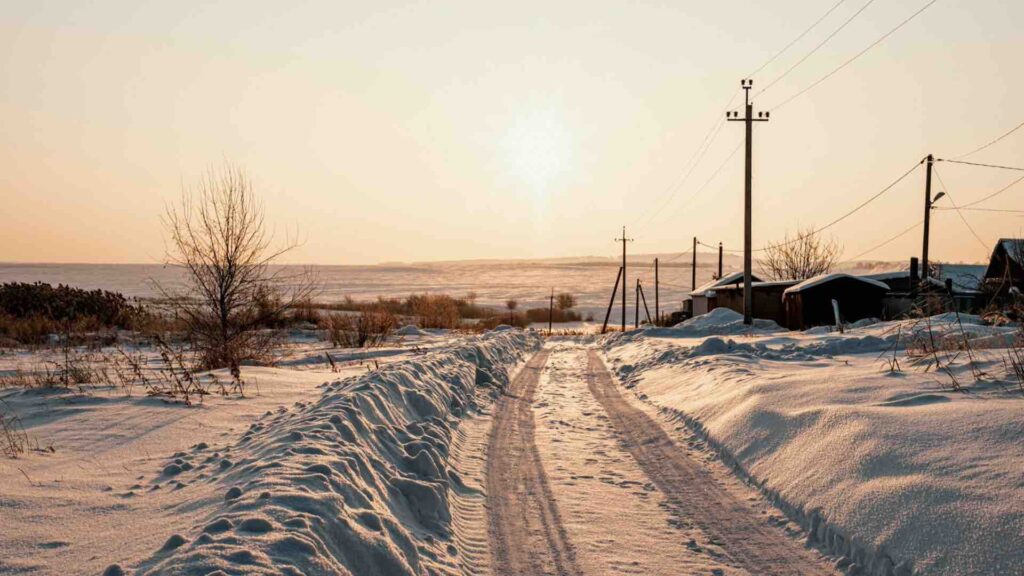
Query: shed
(704, 298)
(1006, 266)
(767, 299)
(809, 303)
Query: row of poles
(748, 119)
(639, 296)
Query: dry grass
(370, 328)
(13, 438)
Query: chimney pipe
(913, 274)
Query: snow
(410, 330)
(718, 321)
(823, 278)
(311, 472)
(893, 471)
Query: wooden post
(693, 266)
(748, 119)
(644, 300)
(927, 216)
(551, 310)
(636, 307)
(611, 302)
(657, 307)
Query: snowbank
(721, 321)
(356, 482)
(410, 330)
(892, 471)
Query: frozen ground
(892, 470)
(104, 495)
(706, 448)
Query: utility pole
(611, 301)
(719, 260)
(748, 119)
(624, 240)
(657, 310)
(693, 266)
(551, 310)
(927, 215)
(636, 309)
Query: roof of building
(759, 284)
(723, 281)
(825, 278)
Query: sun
(537, 149)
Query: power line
(841, 218)
(797, 39)
(980, 164)
(945, 188)
(856, 56)
(816, 48)
(717, 170)
(693, 162)
(893, 239)
(1009, 210)
(980, 148)
(994, 194)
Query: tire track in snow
(696, 494)
(526, 531)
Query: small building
(809, 303)
(1005, 271)
(704, 298)
(961, 281)
(767, 298)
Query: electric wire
(945, 188)
(846, 215)
(816, 48)
(887, 242)
(994, 194)
(1008, 210)
(716, 172)
(855, 56)
(798, 38)
(693, 162)
(999, 166)
(980, 148)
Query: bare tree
(511, 304)
(233, 290)
(801, 257)
(565, 301)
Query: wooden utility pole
(748, 119)
(719, 260)
(636, 309)
(623, 240)
(551, 310)
(611, 301)
(693, 266)
(927, 215)
(657, 309)
(647, 311)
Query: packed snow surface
(314, 472)
(889, 467)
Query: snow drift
(891, 470)
(356, 482)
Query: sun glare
(537, 149)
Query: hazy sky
(445, 130)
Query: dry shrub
(435, 310)
(370, 328)
(13, 438)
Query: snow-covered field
(892, 470)
(318, 471)
(449, 454)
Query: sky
(413, 131)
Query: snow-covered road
(582, 480)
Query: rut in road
(526, 532)
(696, 494)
